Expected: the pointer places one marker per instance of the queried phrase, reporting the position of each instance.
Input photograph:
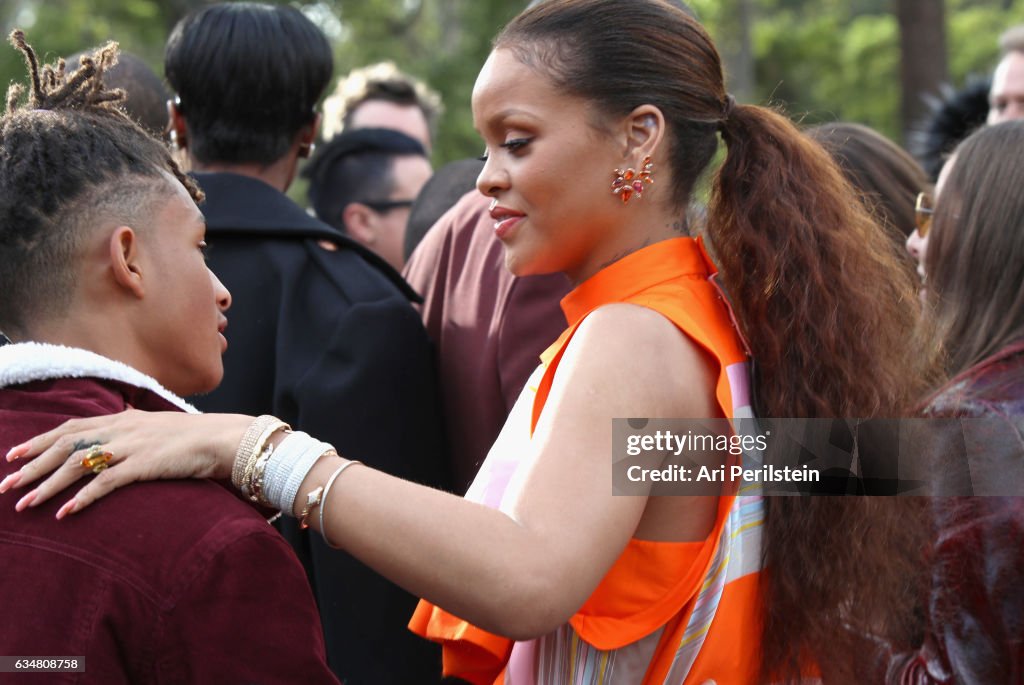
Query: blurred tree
(442, 42)
(840, 59)
(737, 48)
(64, 27)
(923, 63)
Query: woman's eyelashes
(513, 146)
(516, 144)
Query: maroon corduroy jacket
(163, 582)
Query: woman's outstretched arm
(520, 571)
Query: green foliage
(833, 59)
(61, 28)
(968, 54)
(821, 59)
(443, 42)
(828, 67)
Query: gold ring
(96, 459)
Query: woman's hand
(142, 446)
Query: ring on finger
(96, 459)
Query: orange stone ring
(96, 459)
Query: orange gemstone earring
(630, 182)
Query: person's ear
(177, 130)
(360, 223)
(125, 263)
(643, 129)
(307, 137)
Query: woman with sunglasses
(924, 208)
(974, 258)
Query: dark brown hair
(883, 174)
(818, 289)
(68, 156)
(975, 258)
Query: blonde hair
(380, 81)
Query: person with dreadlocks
(108, 304)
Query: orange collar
(636, 272)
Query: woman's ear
(645, 128)
(307, 137)
(124, 261)
(177, 130)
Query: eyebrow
(506, 113)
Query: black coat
(329, 342)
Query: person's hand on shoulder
(121, 449)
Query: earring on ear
(631, 182)
(173, 135)
(306, 150)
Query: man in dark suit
(323, 332)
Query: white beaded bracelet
(323, 498)
(313, 451)
(281, 463)
(288, 467)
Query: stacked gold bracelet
(251, 448)
(272, 475)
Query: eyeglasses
(384, 206)
(924, 208)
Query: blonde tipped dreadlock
(69, 156)
(51, 89)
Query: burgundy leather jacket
(975, 608)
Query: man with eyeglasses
(363, 183)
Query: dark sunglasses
(924, 208)
(384, 206)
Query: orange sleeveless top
(678, 612)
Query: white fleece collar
(27, 362)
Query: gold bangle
(249, 460)
(248, 445)
(323, 498)
(312, 499)
(255, 480)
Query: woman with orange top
(599, 116)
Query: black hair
(247, 77)
(69, 157)
(952, 116)
(355, 166)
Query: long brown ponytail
(819, 292)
